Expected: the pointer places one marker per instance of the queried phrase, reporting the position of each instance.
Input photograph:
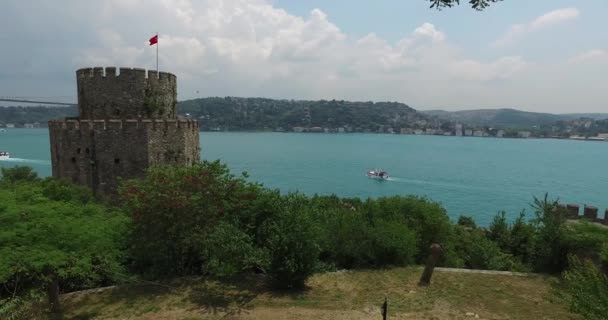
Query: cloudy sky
(541, 55)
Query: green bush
(65, 243)
(175, 209)
(291, 241)
(354, 240)
(522, 236)
(550, 244)
(18, 174)
(587, 289)
(428, 220)
(499, 231)
(466, 221)
(479, 252)
(228, 251)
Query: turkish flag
(154, 40)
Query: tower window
(73, 159)
(87, 150)
(116, 161)
(78, 150)
(117, 112)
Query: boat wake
(447, 185)
(32, 161)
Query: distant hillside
(19, 116)
(507, 118)
(232, 113)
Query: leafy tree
(467, 221)
(51, 246)
(550, 246)
(522, 236)
(292, 244)
(175, 209)
(499, 231)
(475, 4)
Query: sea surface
(472, 176)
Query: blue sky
(540, 55)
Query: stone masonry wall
(128, 122)
(130, 94)
(98, 153)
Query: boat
(4, 155)
(377, 174)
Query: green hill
(507, 118)
(232, 113)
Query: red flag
(154, 40)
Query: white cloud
(554, 17)
(251, 48)
(591, 56)
(517, 31)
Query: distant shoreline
(591, 139)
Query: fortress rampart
(127, 123)
(589, 213)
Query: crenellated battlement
(113, 73)
(118, 124)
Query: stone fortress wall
(590, 213)
(118, 135)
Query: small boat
(377, 174)
(4, 155)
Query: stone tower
(127, 122)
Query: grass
(338, 295)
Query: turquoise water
(474, 176)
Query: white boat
(4, 155)
(377, 174)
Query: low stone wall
(590, 213)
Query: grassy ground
(339, 295)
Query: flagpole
(158, 75)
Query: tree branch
(478, 5)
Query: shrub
(63, 190)
(56, 244)
(499, 232)
(18, 174)
(587, 288)
(479, 252)
(522, 236)
(291, 241)
(426, 219)
(228, 251)
(550, 245)
(175, 209)
(353, 240)
(466, 221)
